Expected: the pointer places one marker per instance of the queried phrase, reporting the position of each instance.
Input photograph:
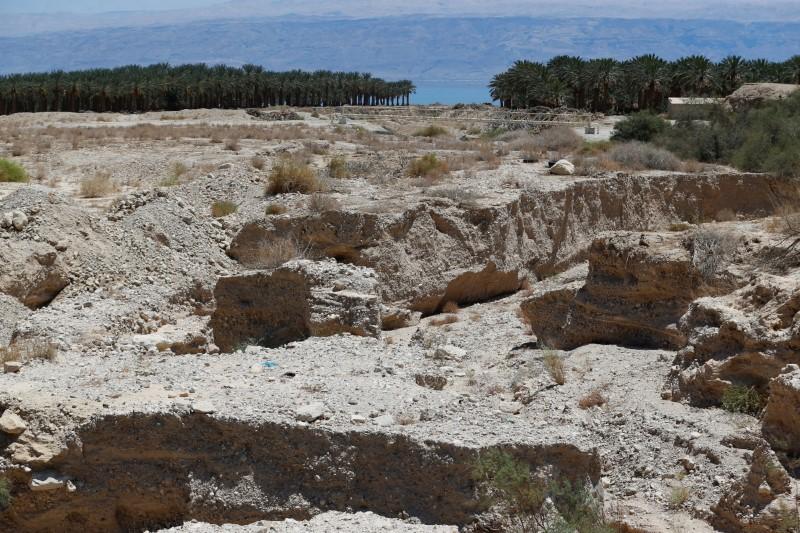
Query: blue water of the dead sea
(451, 94)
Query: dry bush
(693, 167)
(270, 254)
(428, 166)
(450, 307)
(678, 496)
(337, 168)
(20, 148)
(290, 175)
(316, 148)
(430, 131)
(320, 203)
(258, 162)
(679, 226)
(98, 185)
(29, 350)
(447, 319)
(559, 139)
(711, 250)
(178, 169)
(405, 419)
(233, 144)
(274, 209)
(725, 215)
(635, 155)
(555, 367)
(223, 208)
(595, 398)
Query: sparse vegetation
(678, 496)
(742, 399)
(320, 202)
(711, 250)
(635, 155)
(432, 130)
(5, 493)
(337, 168)
(258, 162)
(526, 500)
(274, 209)
(428, 166)
(98, 185)
(270, 254)
(290, 175)
(29, 350)
(223, 208)
(554, 365)
(595, 398)
(12, 172)
(643, 127)
(233, 145)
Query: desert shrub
(554, 365)
(274, 209)
(232, 144)
(678, 495)
(316, 148)
(679, 226)
(98, 185)
(291, 175)
(523, 497)
(269, 254)
(428, 166)
(643, 127)
(178, 169)
(711, 250)
(223, 208)
(337, 168)
(636, 155)
(29, 350)
(323, 202)
(5, 494)
(741, 399)
(561, 139)
(430, 131)
(595, 398)
(12, 172)
(258, 162)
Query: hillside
(464, 49)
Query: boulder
(310, 412)
(292, 302)
(562, 168)
(637, 287)
(33, 273)
(12, 423)
(781, 421)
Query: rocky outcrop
(297, 300)
(760, 502)
(754, 94)
(638, 286)
(419, 252)
(781, 420)
(744, 338)
(34, 274)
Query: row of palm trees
(644, 82)
(161, 87)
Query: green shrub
(643, 126)
(509, 485)
(12, 172)
(223, 208)
(5, 494)
(637, 155)
(428, 166)
(741, 399)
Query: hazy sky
(96, 6)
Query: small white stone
(384, 421)
(45, 482)
(12, 367)
(310, 412)
(12, 424)
(204, 407)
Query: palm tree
(731, 73)
(649, 72)
(696, 75)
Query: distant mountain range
(464, 50)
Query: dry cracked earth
(184, 352)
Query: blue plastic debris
(269, 364)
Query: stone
(310, 412)
(780, 423)
(431, 381)
(44, 482)
(204, 407)
(562, 168)
(449, 352)
(19, 220)
(358, 419)
(12, 367)
(384, 421)
(12, 424)
(295, 301)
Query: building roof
(694, 100)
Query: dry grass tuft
(290, 175)
(337, 168)
(258, 162)
(555, 367)
(428, 166)
(274, 209)
(98, 185)
(321, 203)
(29, 350)
(223, 208)
(270, 254)
(596, 398)
(233, 144)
